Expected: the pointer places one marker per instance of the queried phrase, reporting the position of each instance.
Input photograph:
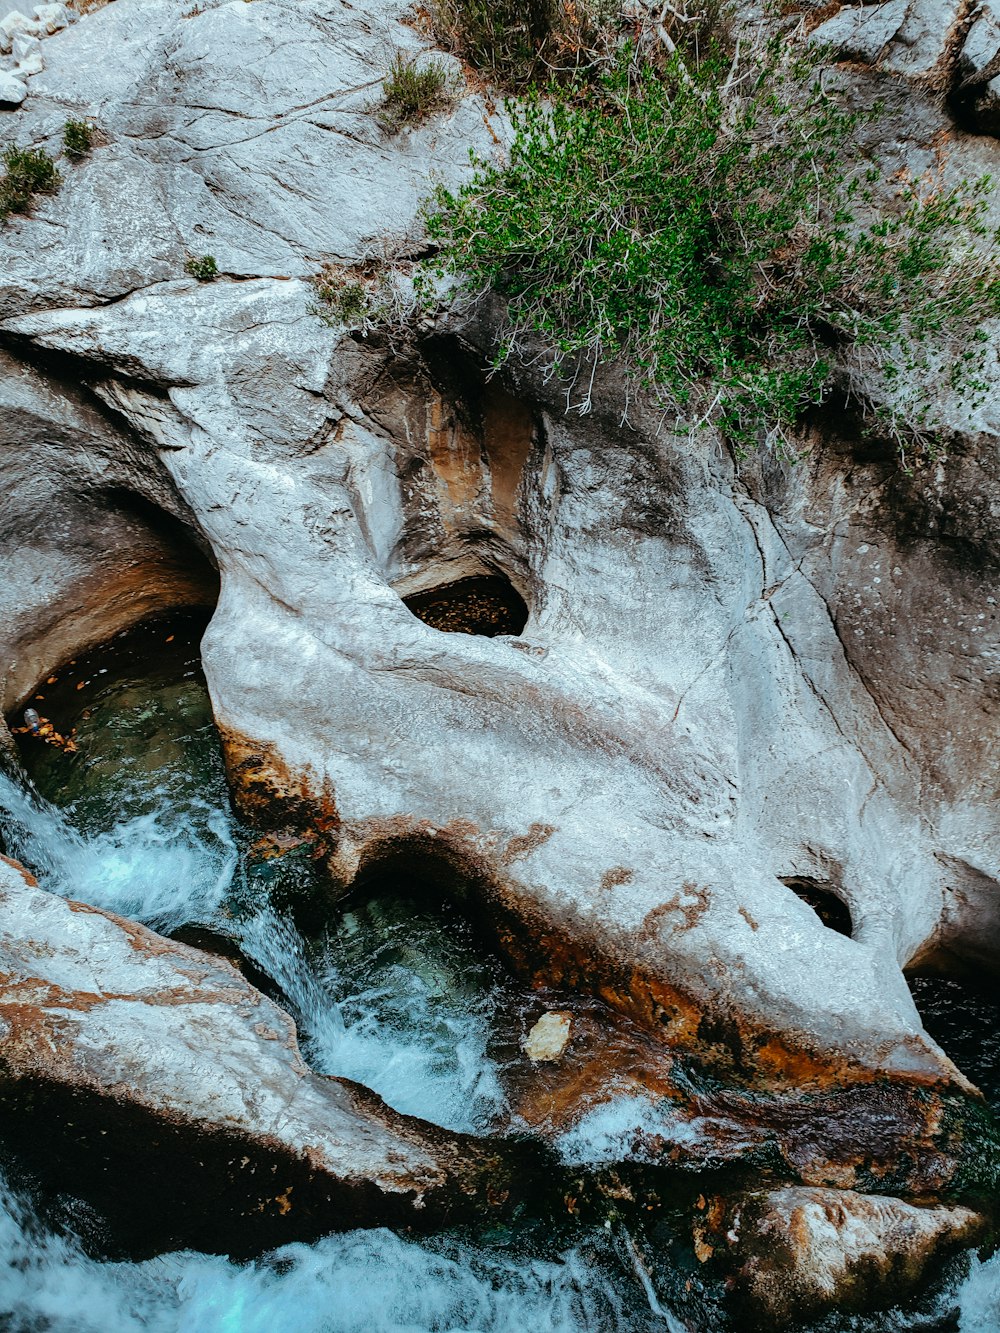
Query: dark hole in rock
(483, 604)
(831, 909)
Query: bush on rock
(27, 173)
(713, 224)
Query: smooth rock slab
(153, 1080)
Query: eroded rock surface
(730, 681)
(153, 1080)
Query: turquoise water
(396, 992)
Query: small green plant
(78, 139)
(27, 173)
(202, 267)
(342, 299)
(371, 292)
(411, 93)
(715, 229)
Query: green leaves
(717, 236)
(28, 172)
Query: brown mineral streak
(26, 874)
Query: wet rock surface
(127, 1057)
(794, 1253)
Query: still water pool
(395, 992)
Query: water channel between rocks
(395, 992)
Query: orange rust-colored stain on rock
(526, 843)
(26, 874)
(455, 456)
(785, 1064)
(509, 433)
(284, 1201)
(616, 875)
(270, 795)
(749, 919)
(691, 912)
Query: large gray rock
(794, 1253)
(113, 1038)
(730, 683)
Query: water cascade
(395, 993)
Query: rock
(25, 46)
(53, 18)
(734, 686)
(111, 1036)
(794, 1253)
(549, 1037)
(137, 218)
(923, 44)
(917, 39)
(30, 64)
(12, 90)
(862, 32)
(977, 89)
(15, 23)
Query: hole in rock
(484, 604)
(828, 905)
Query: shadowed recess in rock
(828, 906)
(483, 604)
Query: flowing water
(396, 993)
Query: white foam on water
(979, 1297)
(361, 1282)
(422, 1059)
(164, 868)
(620, 1130)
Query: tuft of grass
(371, 293)
(717, 230)
(27, 172)
(412, 92)
(202, 267)
(515, 42)
(78, 139)
(341, 297)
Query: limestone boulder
(737, 692)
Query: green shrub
(27, 172)
(411, 93)
(717, 232)
(342, 298)
(78, 139)
(202, 267)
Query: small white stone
(12, 91)
(25, 45)
(549, 1037)
(31, 64)
(14, 23)
(52, 17)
